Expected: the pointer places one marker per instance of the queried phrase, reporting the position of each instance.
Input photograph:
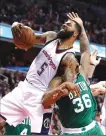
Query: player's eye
(69, 24)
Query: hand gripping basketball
(23, 36)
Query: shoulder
(55, 82)
(51, 35)
(45, 37)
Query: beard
(64, 35)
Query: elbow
(45, 101)
(46, 104)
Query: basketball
(26, 39)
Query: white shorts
(23, 101)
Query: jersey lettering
(80, 105)
(24, 132)
(42, 68)
(49, 59)
(83, 86)
(26, 121)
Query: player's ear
(75, 34)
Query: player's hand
(71, 87)
(98, 90)
(16, 29)
(2, 126)
(2, 131)
(93, 58)
(74, 16)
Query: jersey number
(24, 132)
(80, 105)
(42, 68)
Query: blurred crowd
(52, 14)
(9, 80)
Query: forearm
(84, 62)
(51, 97)
(85, 53)
(45, 37)
(30, 37)
(91, 70)
(84, 42)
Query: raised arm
(84, 65)
(84, 42)
(93, 63)
(17, 29)
(88, 63)
(45, 37)
(84, 45)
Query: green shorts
(96, 130)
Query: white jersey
(103, 115)
(45, 65)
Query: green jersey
(24, 128)
(79, 111)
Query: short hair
(78, 27)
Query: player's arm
(93, 63)
(57, 90)
(99, 84)
(85, 52)
(84, 42)
(53, 92)
(88, 64)
(2, 125)
(99, 88)
(45, 37)
(84, 45)
(84, 64)
(38, 38)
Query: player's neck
(68, 43)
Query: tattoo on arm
(84, 42)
